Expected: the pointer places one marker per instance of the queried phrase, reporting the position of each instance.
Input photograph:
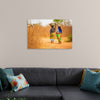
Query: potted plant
(10, 97)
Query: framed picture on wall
(49, 34)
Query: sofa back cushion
(69, 76)
(38, 76)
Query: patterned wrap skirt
(52, 36)
(59, 37)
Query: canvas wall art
(49, 34)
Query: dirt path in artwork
(46, 44)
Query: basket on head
(52, 24)
(59, 24)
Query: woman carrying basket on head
(59, 34)
(52, 32)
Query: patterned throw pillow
(18, 82)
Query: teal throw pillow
(9, 71)
(1, 89)
(91, 81)
(3, 78)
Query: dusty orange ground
(45, 43)
(39, 38)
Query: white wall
(86, 33)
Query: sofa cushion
(74, 93)
(38, 76)
(69, 76)
(36, 93)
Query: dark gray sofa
(52, 84)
